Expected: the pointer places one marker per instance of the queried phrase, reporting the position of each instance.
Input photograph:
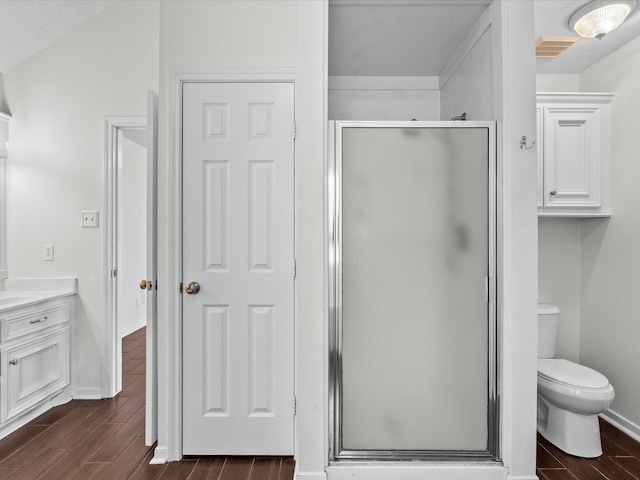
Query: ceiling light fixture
(598, 18)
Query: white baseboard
(310, 476)
(522, 477)
(622, 423)
(87, 393)
(419, 472)
(160, 456)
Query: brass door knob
(143, 285)
(192, 288)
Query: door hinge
(114, 273)
(295, 130)
(295, 268)
(180, 288)
(295, 406)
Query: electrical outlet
(89, 219)
(47, 253)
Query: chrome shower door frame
(333, 175)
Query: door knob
(143, 285)
(192, 288)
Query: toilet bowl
(570, 396)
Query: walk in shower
(412, 291)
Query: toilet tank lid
(548, 309)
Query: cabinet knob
(553, 193)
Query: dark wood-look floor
(620, 459)
(104, 439)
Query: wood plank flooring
(620, 459)
(104, 439)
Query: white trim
(310, 476)
(467, 471)
(179, 76)
(383, 83)
(112, 361)
(575, 97)
(622, 423)
(87, 393)
(366, 3)
(160, 456)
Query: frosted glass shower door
(415, 323)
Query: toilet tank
(547, 329)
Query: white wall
(3, 105)
(610, 325)
(384, 98)
(559, 279)
(569, 82)
(469, 89)
(260, 34)
(58, 100)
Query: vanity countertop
(21, 292)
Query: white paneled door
(238, 268)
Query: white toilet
(570, 396)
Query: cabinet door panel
(35, 370)
(572, 149)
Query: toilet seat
(565, 372)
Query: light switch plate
(89, 219)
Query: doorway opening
(130, 249)
(125, 239)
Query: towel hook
(523, 144)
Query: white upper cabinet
(573, 154)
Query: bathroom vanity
(35, 338)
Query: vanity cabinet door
(33, 371)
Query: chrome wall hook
(523, 144)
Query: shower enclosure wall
(412, 267)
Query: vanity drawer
(34, 319)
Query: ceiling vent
(553, 46)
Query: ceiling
(28, 26)
(367, 37)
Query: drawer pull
(39, 320)
(13, 362)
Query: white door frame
(178, 77)
(112, 354)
